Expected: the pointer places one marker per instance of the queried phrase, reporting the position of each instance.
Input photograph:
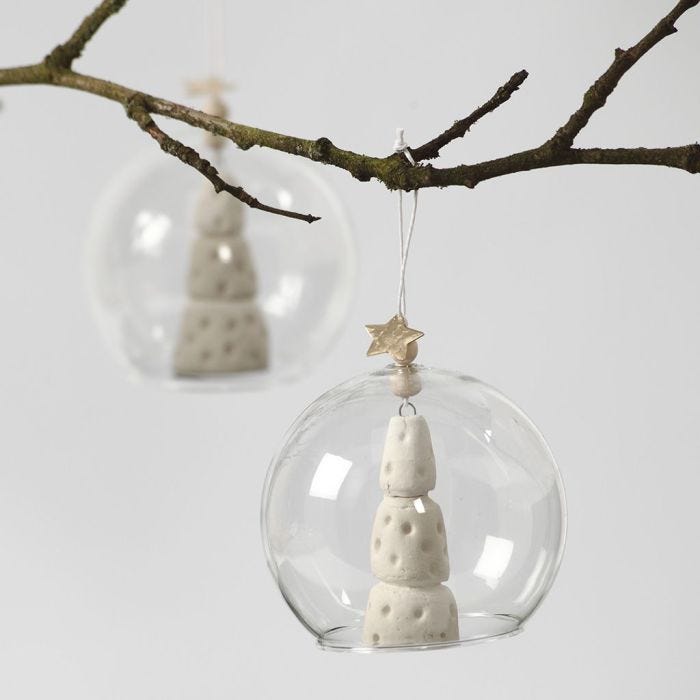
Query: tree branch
(597, 95)
(432, 149)
(685, 158)
(394, 170)
(137, 111)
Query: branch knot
(321, 149)
(58, 60)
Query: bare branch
(64, 54)
(432, 149)
(685, 158)
(597, 95)
(136, 110)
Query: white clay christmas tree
(409, 546)
(222, 330)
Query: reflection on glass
(418, 504)
(494, 560)
(225, 253)
(329, 477)
(285, 199)
(151, 230)
(286, 297)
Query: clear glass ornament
(498, 487)
(140, 262)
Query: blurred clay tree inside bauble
(222, 330)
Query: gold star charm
(396, 338)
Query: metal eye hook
(405, 403)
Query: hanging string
(215, 28)
(400, 146)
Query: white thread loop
(400, 146)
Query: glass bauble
(162, 272)
(501, 498)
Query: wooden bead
(406, 357)
(405, 382)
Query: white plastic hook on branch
(400, 146)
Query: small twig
(597, 95)
(432, 149)
(64, 54)
(137, 111)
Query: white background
(130, 561)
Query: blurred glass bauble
(143, 253)
(498, 486)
